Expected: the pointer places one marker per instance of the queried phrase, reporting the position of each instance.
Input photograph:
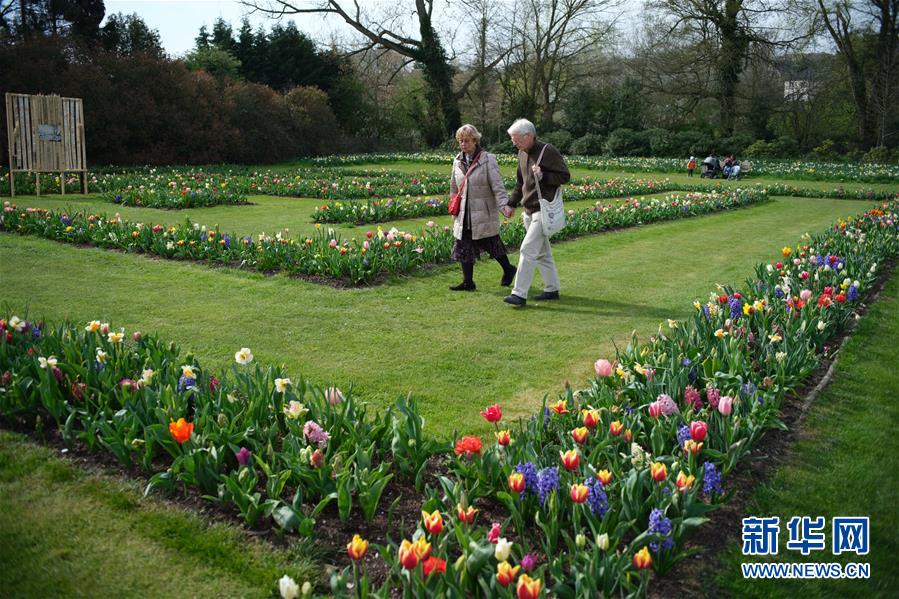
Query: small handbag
(455, 204)
(552, 213)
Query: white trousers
(535, 253)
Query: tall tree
(127, 35)
(876, 27)
(731, 28)
(426, 49)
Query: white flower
(775, 338)
(294, 409)
(503, 549)
(780, 356)
(146, 376)
(47, 362)
(115, 337)
(307, 588)
(188, 371)
(244, 356)
(821, 325)
(93, 326)
(288, 587)
(282, 384)
(672, 324)
(101, 356)
(602, 541)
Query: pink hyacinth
(315, 434)
(668, 405)
(603, 367)
(712, 394)
(693, 398)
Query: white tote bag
(552, 214)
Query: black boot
(467, 283)
(508, 271)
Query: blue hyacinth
(736, 308)
(711, 480)
(853, 293)
(227, 239)
(683, 433)
(596, 497)
(185, 382)
(778, 292)
(529, 470)
(35, 332)
(547, 482)
(660, 525)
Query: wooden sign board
(46, 135)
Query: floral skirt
(469, 250)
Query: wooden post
(62, 182)
(37, 183)
(12, 182)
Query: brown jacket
(484, 196)
(555, 174)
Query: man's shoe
(515, 300)
(508, 278)
(464, 286)
(548, 295)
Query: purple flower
(315, 434)
(185, 382)
(529, 562)
(668, 405)
(547, 482)
(853, 293)
(712, 394)
(660, 525)
(711, 480)
(683, 433)
(596, 497)
(227, 239)
(530, 476)
(736, 308)
(243, 456)
(692, 397)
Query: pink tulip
(603, 367)
(655, 409)
(805, 295)
(726, 405)
(698, 430)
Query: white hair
(522, 127)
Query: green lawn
(843, 464)
(67, 533)
(456, 352)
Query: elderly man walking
(539, 164)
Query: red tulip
(698, 430)
(492, 413)
(615, 428)
(570, 459)
(181, 430)
(579, 493)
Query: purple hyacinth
(711, 480)
(36, 332)
(705, 310)
(596, 497)
(778, 293)
(547, 482)
(736, 308)
(853, 293)
(683, 433)
(529, 470)
(227, 239)
(660, 525)
(712, 395)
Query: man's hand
(538, 172)
(508, 211)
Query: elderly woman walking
(479, 184)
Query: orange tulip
(505, 573)
(503, 438)
(658, 471)
(181, 430)
(407, 555)
(579, 493)
(692, 447)
(615, 427)
(684, 482)
(357, 547)
(580, 434)
(433, 522)
(591, 418)
(466, 515)
(516, 482)
(642, 559)
(433, 564)
(605, 477)
(560, 407)
(571, 459)
(628, 435)
(528, 588)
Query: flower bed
(600, 488)
(353, 261)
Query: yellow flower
(720, 333)
(188, 371)
(775, 338)
(93, 326)
(115, 337)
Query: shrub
(691, 143)
(736, 144)
(561, 139)
(503, 147)
(625, 142)
(826, 150)
(590, 144)
(759, 149)
(659, 141)
(877, 155)
(313, 120)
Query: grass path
(456, 352)
(67, 533)
(843, 464)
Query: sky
(178, 22)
